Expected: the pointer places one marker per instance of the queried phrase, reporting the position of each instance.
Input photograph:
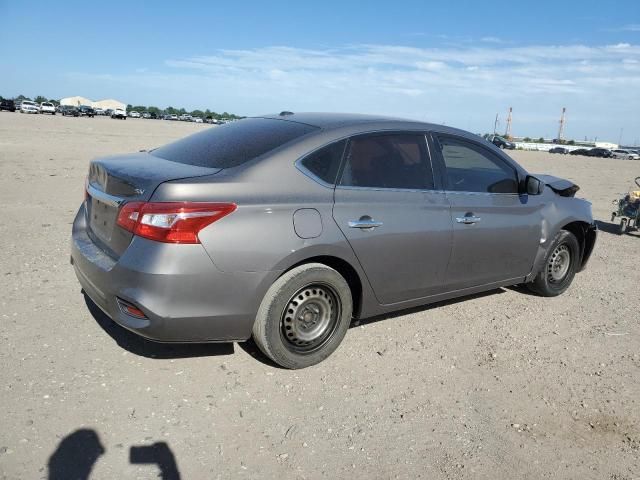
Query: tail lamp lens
(171, 222)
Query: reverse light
(171, 222)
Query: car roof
(330, 121)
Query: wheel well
(581, 231)
(345, 269)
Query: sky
(457, 63)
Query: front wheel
(304, 316)
(560, 266)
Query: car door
(496, 231)
(397, 223)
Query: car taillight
(171, 222)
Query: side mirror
(533, 186)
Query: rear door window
(398, 161)
(234, 143)
(472, 168)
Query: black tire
(623, 227)
(304, 316)
(560, 266)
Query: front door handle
(468, 219)
(364, 223)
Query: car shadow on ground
(424, 308)
(77, 453)
(252, 349)
(146, 348)
(613, 228)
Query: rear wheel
(622, 229)
(304, 316)
(561, 265)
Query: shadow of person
(146, 348)
(75, 456)
(157, 454)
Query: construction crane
(561, 129)
(507, 132)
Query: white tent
(75, 101)
(109, 103)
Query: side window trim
(437, 184)
(443, 169)
(300, 166)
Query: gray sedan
(286, 227)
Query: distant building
(109, 103)
(75, 101)
(104, 104)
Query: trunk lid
(113, 181)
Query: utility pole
(620, 137)
(561, 129)
(507, 132)
(495, 125)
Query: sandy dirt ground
(501, 385)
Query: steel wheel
(559, 263)
(309, 318)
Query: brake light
(171, 222)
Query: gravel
(498, 385)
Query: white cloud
(461, 86)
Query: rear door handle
(468, 220)
(365, 223)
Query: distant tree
(22, 97)
(541, 140)
(182, 111)
(54, 101)
(571, 142)
(526, 139)
(40, 99)
(197, 113)
(155, 110)
(129, 107)
(139, 108)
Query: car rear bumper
(183, 295)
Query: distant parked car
(561, 150)
(579, 151)
(624, 153)
(146, 115)
(99, 111)
(48, 107)
(171, 117)
(119, 113)
(196, 120)
(185, 118)
(600, 152)
(153, 115)
(86, 111)
(134, 114)
(69, 111)
(501, 142)
(27, 106)
(8, 105)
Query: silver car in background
(286, 227)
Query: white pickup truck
(119, 113)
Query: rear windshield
(234, 143)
